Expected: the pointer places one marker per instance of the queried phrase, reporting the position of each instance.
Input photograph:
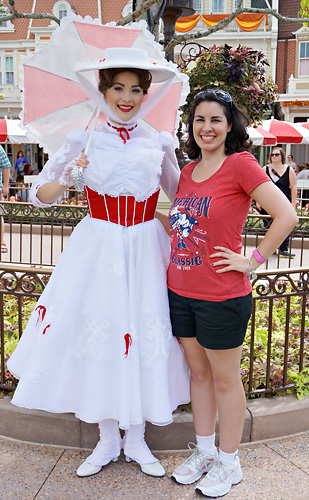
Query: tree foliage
(241, 72)
(304, 10)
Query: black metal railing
(274, 349)
(277, 347)
(20, 288)
(19, 192)
(35, 235)
(38, 235)
(256, 227)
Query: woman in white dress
(99, 343)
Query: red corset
(124, 210)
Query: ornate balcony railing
(275, 350)
(278, 350)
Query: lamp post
(173, 10)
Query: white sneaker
(219, 480)
(194, 467)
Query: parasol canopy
(55, 100)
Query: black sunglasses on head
(221, 95)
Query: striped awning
(10, 131)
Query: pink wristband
(258, 257)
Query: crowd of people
(5, 167)
(12, 187)
(154, 307)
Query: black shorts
(216, 325)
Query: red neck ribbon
(122, 131)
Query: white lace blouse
(135, 167)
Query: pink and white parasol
(54, 100)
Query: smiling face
(125, 96)
(210, 127)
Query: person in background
(291, 163)
(20, 163)
(285, 179)
(20, 189)
(304, 175)
(5, 166)
(208, 278)
(27, 169)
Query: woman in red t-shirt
(209, 289)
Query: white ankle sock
(206, 443)
(227, 457)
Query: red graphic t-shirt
(208, 214)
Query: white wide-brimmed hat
(129, 58)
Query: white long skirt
(101, 345)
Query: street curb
(266, 418)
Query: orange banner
(246, 22)
(185, 24)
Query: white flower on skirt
(117, 267)
(35, 376)
(159, 333)
(96, 337)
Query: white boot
(107, 450)
(135, 448)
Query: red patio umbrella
(261, 137)
(11, 131)
(305, 124)
(287, 132)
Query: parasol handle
(77, 173)
(92, 130)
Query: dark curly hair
(107, 78)
(237, 139)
